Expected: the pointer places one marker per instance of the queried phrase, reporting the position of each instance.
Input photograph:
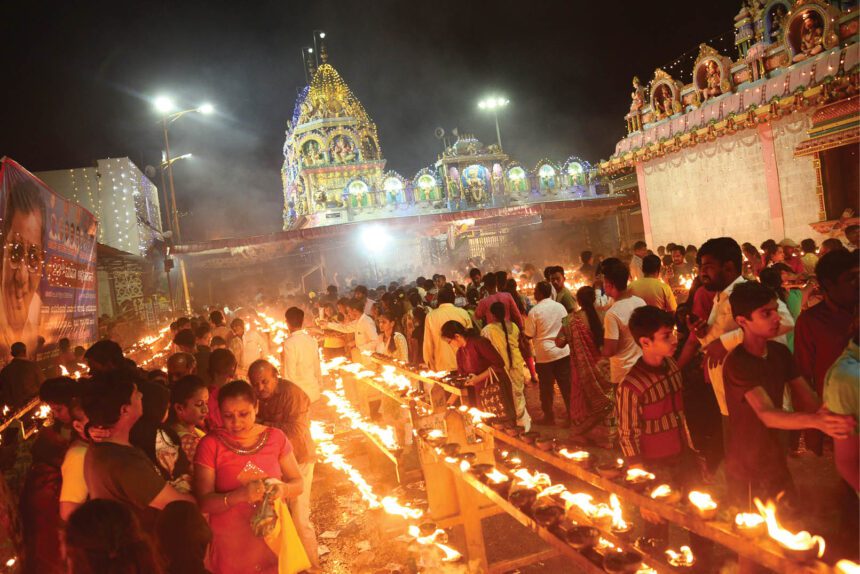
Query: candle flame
(748, 520)
(577, 456)
(618, 522)
(495, 476)
(661, 491)
(702, 500)
(683, 559)
(636, 474)
(845, 566)
(802, 540)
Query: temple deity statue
(811, 36)
(713, 79)
(637, 101)
(776, 17)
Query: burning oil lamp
(620, 527)
(548, 515)
(682, 559)
(750, 524)
(622, 562)
(544, 443)
(581, 537)
(523, 499)
(498, 481)
(846, 566)
(529, 437)
(451, 449)
(638, 478)
(578, 456)
(435, 437)
(664, 493)
(611, 469)
(801, 546)
(705, 506)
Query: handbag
(284, 541)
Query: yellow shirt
(655, 293)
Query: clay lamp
(498, 481)
(480, 470)
(703, 504)
(579, 456)
(799, 546)
(581, 537)
(511, 430)
(523, 499)
(544, 443)
(622, 562)
(548, 515)
(638, 479)
(619, 526)
(751, 524)
(451, 449)
(529, 437)
(682, 559)
(664, 493)
(611, 469)
(434, 437)
(468, 458)
(497, 423)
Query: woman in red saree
(590, 390)
(229, 465)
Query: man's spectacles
(20, 251)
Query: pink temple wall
(748, 186)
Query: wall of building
(121, 197)
(727, 188)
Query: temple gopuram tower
(333, 164)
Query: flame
(274, 361)
(577, 456)
(496, 477)
(64, 371)
(386, 435)
(532, 480)
(661, 491)
(802, 540)
(6, 410)
(433, 374)
(477, 416)
(683, 559)
(42, 412)
(464, 465)
(748, 520)
(845, 566)
(554, 489)
(331, 455)
(449, 554)
(636, 474)
(618, 522)
(702, 500)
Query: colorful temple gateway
(334, 171)
(762, 143)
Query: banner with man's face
(47, 268)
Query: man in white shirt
(301, 356)
(720, 265)
(438, 354)
(640, 250)
(361, 325)
(552, 363)
(618, 343)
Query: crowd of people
(190, 468)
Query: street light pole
(174, 218)
(498, 132)
(494, 104)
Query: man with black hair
(680, 266)
(65, 358)
(180, 365)
(651, 289)
(360, 324)
(809, 257)
(562, 293)
(824, 330)
(720, 266)
(494, 295)
(552, 362)
(360, 294)
(219, 325)
(618, 344)
(437, 353)
(20, 379)
(113, 468)
(185, 341)
(300, 359)
(104, 356)
(640, 250)
(475, 278)
(756, 374)
(236, 343)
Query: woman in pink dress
(227, 491)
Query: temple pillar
(771, 177)
(643, 202)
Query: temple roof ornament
(329, 97)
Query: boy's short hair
(616, 272)
(646, 321)
(748, 296)
(650, 264)
(724, 250)
(834, 263)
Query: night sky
(80, 76)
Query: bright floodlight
(206, 108)
(493, 103)
(322, 34)
(375, 238)
(310, 50)
(164, 104)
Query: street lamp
(165, 106)
(318, 35)
(494, 104)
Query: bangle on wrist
(226, 501)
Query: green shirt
(842, 383)
(566, 298)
